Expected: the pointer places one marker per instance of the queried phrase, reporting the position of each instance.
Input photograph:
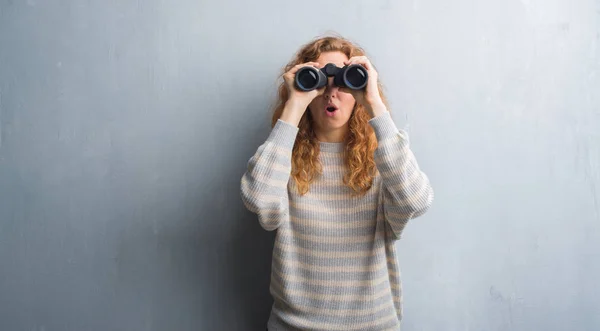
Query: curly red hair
(361, 141)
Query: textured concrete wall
(125, 128)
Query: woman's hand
(298, 98)
(298, 101)
(369, 96)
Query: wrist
(292, 112)
(296, 105)
(376, 109)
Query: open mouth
(331, 108)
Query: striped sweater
(334, 264)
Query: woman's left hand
(369, 96)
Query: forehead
(336, 58)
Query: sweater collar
(332, 147)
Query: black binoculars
(352, 76)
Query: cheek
(347, 100)
(314, 106)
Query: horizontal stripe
(270, 165)
(406, 175)
(256, 180)
(386, 305)
(328, 246)
(408, 199)
(308, 211)
(327, 254)
(335, 208)
(392, 153)
(348, 197)
(396, 141)
(286, 232)
(335, 285)
(328, 269)
(311, 324)
(337, 290)
(332, 224)
(334, 282)
(312, 228)
(318, 255)
(365, 296)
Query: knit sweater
(334, 261)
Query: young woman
(338, 181)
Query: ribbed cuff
(283, 134)
(384, 126)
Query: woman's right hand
(298, 98)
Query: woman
(337, 180)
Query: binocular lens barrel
(356, 76)
(353, 76)
(310, 78)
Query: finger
(362, 60)
(298, 66)
(356, 59)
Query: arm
(407, 193)
(264, 184)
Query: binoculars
(352, 76)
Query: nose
(331, 89)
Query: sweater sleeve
(407, 192)
(264, 184)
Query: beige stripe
(263, 178)
(279, 150)
(337, 283)
(411, 199)
(331, 155)
(368, 297)
(413, 175)
(329, 168)
(346, 224)
(333, 327)
(397, 138)
(284, 169)
(399, 216)
(334, 211)
(268, 166)
(272, 218)
(331, 254)
(267, 199)
(343, 312)
(333, 283)
(286, 232)
(329, 183)
(350, 197)
(401, 155)
(325, 254)
(265, 206)
(358, 268)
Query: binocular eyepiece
(352, 76)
